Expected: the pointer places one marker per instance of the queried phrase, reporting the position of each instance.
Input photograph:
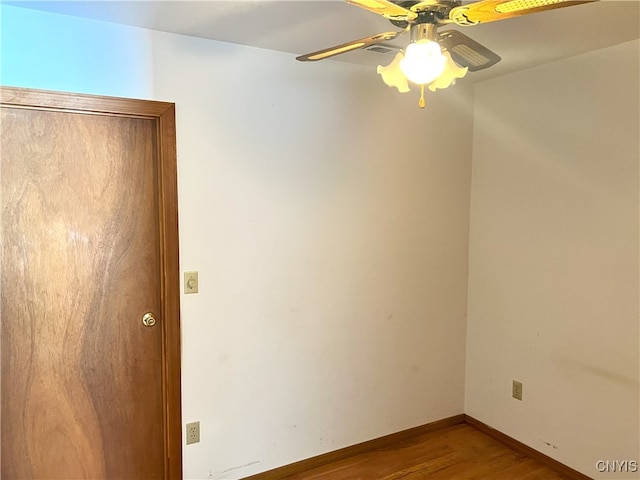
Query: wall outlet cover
(517, 390)
(193, 432)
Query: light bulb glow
(423, 61)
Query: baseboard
(330, 457)
(388, 440)
(522, 448)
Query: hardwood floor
(460, 452)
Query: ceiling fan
(433, 58)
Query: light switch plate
(190, 282)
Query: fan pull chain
(421, 102)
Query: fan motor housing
(430, 11)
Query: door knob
(148, 319)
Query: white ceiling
(303, 26)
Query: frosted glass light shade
(423, 61)
(393, 76)
(449, 75)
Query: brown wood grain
(78, 102)
(444, 450)
(525, 449)
(89, 226)
(485, 11)
(170, 288)
(354, 450)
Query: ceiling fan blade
(349, 46)
(466, 52)
(385, 8)
(492, 10)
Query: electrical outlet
(193, 432)
(517, 390)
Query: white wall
(553, 282)
(328, 218)
(332, 249)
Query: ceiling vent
(383, 48)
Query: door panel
(85, 390)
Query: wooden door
(89, 246)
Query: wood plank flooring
(460, 452)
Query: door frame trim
(163, 113)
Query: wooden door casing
(89, 225)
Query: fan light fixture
(423, 62)
(435, 59)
